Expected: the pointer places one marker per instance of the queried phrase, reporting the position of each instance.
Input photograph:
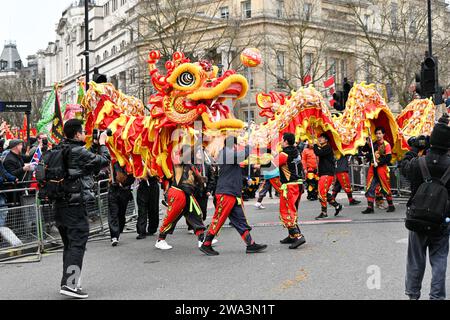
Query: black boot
(298, 242)
(287, 240)
(338, 209)
(354, 202)
(390, 209)
(208, 250)
(255, 248)
(369, 209)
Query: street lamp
(86, 40)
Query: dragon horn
(154, 57)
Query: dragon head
(192, 91)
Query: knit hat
(14, 143)
(440, 137)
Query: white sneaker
(259, 205)
(114, 242)
(163, 245)
(191, 232)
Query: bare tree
(194, 27)
(21, 88)
(305, 45)
(394, 35)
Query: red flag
(332, 102)
(329, 83)
(332, 90)
(307, 80)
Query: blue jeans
(416, 261)
(3, 210)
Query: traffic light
(98, 77)
(338, 97)
(347, 87)
(427, 81)
(419, 84)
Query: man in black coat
(119, 196)
(14, 164)
(70, 212)
(148, 207)
(438, 161)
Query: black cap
(14, 143)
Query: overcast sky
(30, 23)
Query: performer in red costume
(181, 201)
(291, 189)
(378, 174)
(343, 181)
(327, 169)
(229, 199)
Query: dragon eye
(186, 79)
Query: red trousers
(378, 178)
(179, 205)
(289, 201)
(227, 206)
(275, 182)
(325, 183)
(344, 181)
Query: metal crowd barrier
(20, 225)
(30, 228)
(400, 185)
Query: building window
(105, 55)
(280, 8)
(114, 5)
(366, 21)
(394, 14)
(252, 116)
(225, 12)
(122, 2)
(82, 64)
(97, 59)
(331, 67)
(3, 64)
(307, 10)
(132, 76)
(246, 9)
(113, 50)
(106, 9)
(280, 56)
(122, 45)
(307, 64)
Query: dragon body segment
(190, 100)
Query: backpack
(429, 208)
(51, 172)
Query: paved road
(332, 265)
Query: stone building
(380, 41)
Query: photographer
(437, 162)
(70, 212)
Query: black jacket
(81, 165)
(14, 163)
(288, 171)
(230, 173)
(327, 162)
(437, 162)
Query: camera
(97, 133)
(420, 142)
